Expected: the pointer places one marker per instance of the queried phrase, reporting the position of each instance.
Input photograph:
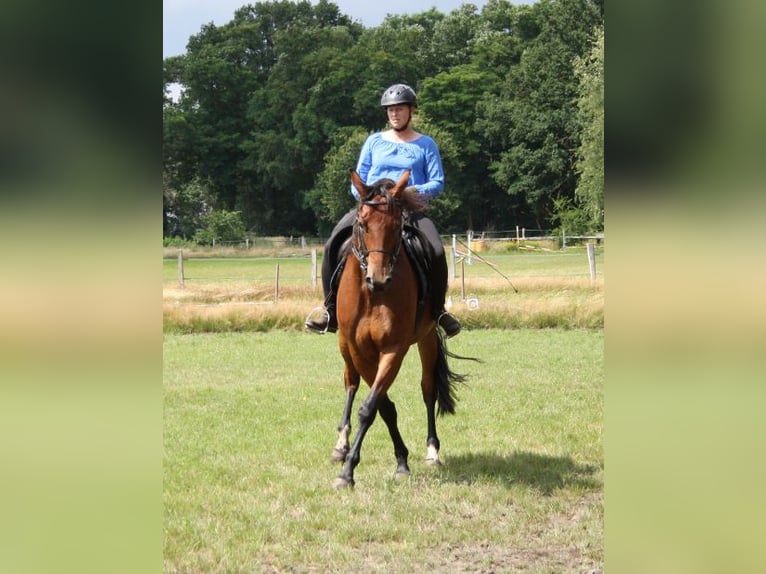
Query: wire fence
(296, 262)
(476, 241)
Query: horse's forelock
(409, 198)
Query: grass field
(250, 422)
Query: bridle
(358, 245)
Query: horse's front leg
(367, 413)
(388, 367)
(351, 379)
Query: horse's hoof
(433, 462)
(338, 455)
(400, 474)
(341, 483)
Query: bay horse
(378, 321)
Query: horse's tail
(445, 379)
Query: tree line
(275, 105)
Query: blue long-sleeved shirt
(380, 158)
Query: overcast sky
(183, 18)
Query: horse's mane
(409, 199)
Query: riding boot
(449, 323)
(444, 319)
(322, 319)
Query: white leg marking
(432, 456)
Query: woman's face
(398, 115)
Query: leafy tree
(590, 161)
(453, 35)
(276, 104)
(331, 198)
(220, 225)
(532, 127)
(184, 208)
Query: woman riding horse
(388, 154)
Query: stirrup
(318, 320)
(450, 324)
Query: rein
(358, 246)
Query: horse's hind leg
(428, 350)
(432, 440)
(387, 411)
(340, 450)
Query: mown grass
(250, 422)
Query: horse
(378, 322)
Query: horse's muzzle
(374, 285)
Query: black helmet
(398, 94)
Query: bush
(220, 225)
(177, 242)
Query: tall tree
(590, 157)
(532, 126)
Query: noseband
(358, 246)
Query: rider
(386, 155)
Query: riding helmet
(398, 94)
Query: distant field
(552, 289)
(295, 270)
(250, 422)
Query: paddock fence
(277, 262)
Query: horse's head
(378, 230)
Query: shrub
(220, 225)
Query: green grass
(250, 422)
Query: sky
(183, 18)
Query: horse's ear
(401, 184)
(358, 184)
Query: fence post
(181, 267)
(314, 268)
(517, 236)
(592, 261)
(563, 238)
(469, 235)
(276, 285)
(452, 262)
(462, 279)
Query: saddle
(420, 253)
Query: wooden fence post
(314, 268)
(452, 262)
(276, 284)
(462, 279)
(592, 261)
(181, 267)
